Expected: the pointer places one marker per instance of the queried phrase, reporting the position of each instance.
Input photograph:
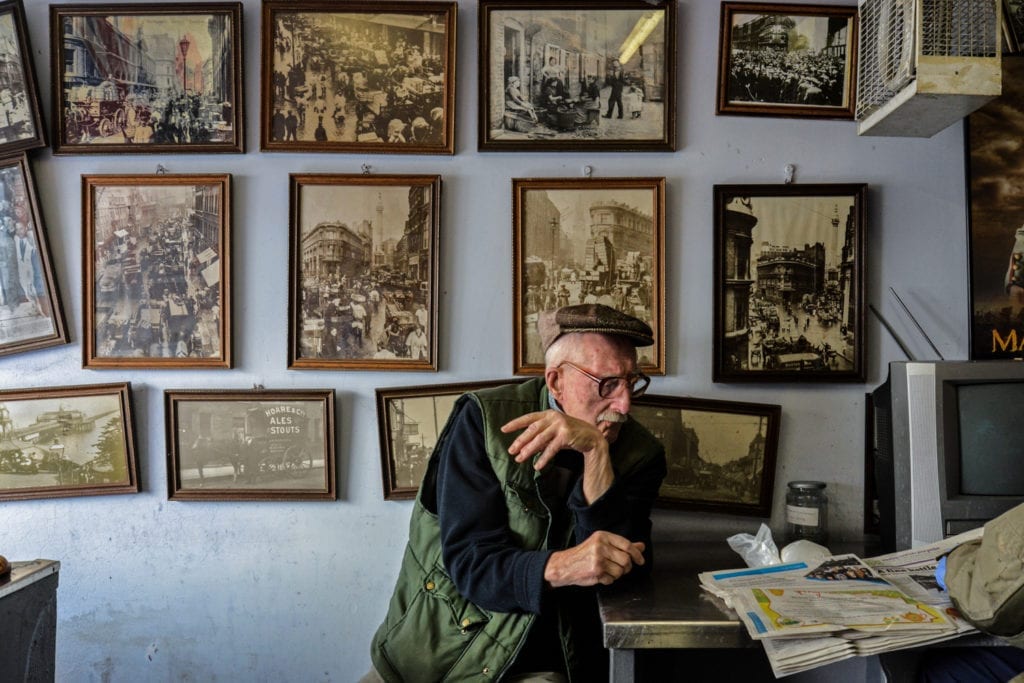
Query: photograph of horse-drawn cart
(250, 445)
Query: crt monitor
(948, 447)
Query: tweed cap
(592, 318)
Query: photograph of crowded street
(778, 60)
(790, 286)
(150, 77)
(20, 121)
(589, 242)
(30, 314)
(364, 271)
(360, 81)
(155, 280)
(581, 76)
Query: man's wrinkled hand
(601, 559)
(550, 431)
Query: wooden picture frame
(31, 314)
(552, 75)
(250, 444)
(795, 311)
(21, 116)
(363, 262)
(567, 233)
(721, 454)
(358, 77)
(147, 78)
(995, 216)
(409, 421)
(787, 60)
(67, 441)
(156, 269)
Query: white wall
(158, 590)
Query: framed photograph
(787, 60)
(721, 454)
(577, 75)
(156, 267)
(21, 119)
(31, 315)
(362, 77)
(147, 78)
(996, 220)
(579, 241)
(362, 287)
(789, 283)
(250, 445)
(59, 442)
(410, 420)
(1013, 25)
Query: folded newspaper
(807, 616)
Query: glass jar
(807, 512)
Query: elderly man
(534, 492)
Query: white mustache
(612, 416)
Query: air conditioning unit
(922, 65)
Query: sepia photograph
(721, 454)
(358, 77)
(787, 60)
(1013, 25)
(363, 276)
(996, 220)
(789, 283)
(156, 270)
(583, 241)
(147, 78)
(410, 420)
(31, 315)
(594, 75)
(21, 121)
(250, 445)
(67, 441)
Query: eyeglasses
(608, 386)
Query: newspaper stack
(807, 616)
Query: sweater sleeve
(479, 552)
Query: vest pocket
(435, 630)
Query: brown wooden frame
(395, 487)
(802, 107)
(118, 265)
(753, 339)
(562, 133)
(694, 481)
(36, 136)
(27, 206)
(246, 449)
(69, 406)
(528, 357)
(438, 138)
(351, 189)
(100, 117)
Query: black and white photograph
(362, 77)
(21, 124)
(789, 282)
(250, 445)
(583, 241)
(721, 454)
(363, 282)
(577, 75)
(787, 60)
(31, 315)
(147, 78)
(66, 441)
(156, 276)
(1013, 24)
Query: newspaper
(808, 616)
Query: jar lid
(807, 485)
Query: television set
(948, 448)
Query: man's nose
(622, 400)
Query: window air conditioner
(923, 65)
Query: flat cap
(592, 318)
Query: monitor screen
(991, 425)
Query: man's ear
(554, 381)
